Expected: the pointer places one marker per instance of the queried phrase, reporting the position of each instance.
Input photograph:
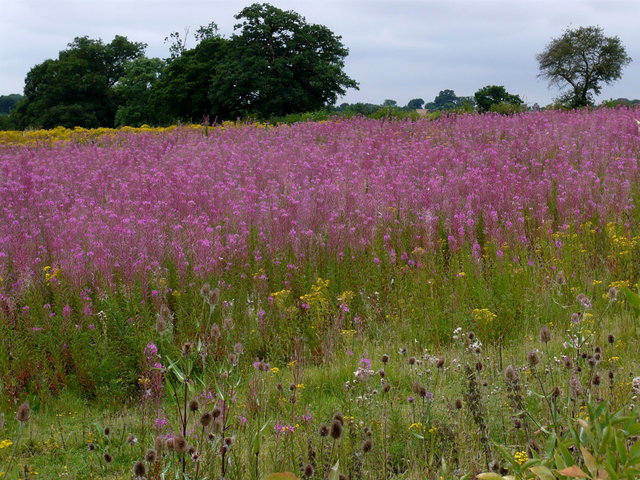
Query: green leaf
(281, 476)
(543, 473)
(489, 476)
(334, 473)
(633, 299)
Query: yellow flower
(291, 363)
(5, 444)
(520, 457)
(416, 426)
(300, 386)
(275, 370)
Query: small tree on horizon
(580, 61)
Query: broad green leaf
(543, 473)
(573, 471)
(589, 461)
(281, 476)
(633, 299)
(334, 473)
(489, 476)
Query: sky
(398, 49)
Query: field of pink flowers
(117, 209)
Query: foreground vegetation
(456, 297)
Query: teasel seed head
(24, 412)
(194, 405)
(160, 443)
(510, 374)
(545, 334)
(533, 357)
(385, 358)
(139, 469)
(205, 419)
(151, 455)
(367, 445)
(179, 444)
(308, 470)
(336, 430)
(567, 362)
(324, 430)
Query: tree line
(274, 65)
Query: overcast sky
(399, 49)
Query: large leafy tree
(492, 95)
(580, 61)
(133, 92)
(277, 64)
(182, 92)
(76, 89)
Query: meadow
(355, 298)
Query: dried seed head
(91, 446)
(342, 476)
(458, 404)
(412, 360)
(338, 416)
(440, 362)
(510, 374)
(192, 451)
(596, 380)
(545, 334)
(187, 347)
(367, 445)
(308, 470)
(336, 430)
(556, 392)
(382, 373)
(179, 444)
(533, 357)
(169, 444)
(611, 374)
(216, 412)
(107, 457)
(160, 443)
(517, 423)
(194, 405)
(567, 362)
(385, 358)
(107, 431)
(229, 441)
(151, 455)
(223, 449)
(386, 388)
(24, 412)
(139, 469)
(324, 430)
(611, 339)
(478, 365)
(132, 439)
(205, 419)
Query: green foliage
(506, 108)
(6, 122)
(581, 60)
(9, 102)
(491, 95)
(415, 103)
(277, 64)
(77, 88)
(133, 92)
